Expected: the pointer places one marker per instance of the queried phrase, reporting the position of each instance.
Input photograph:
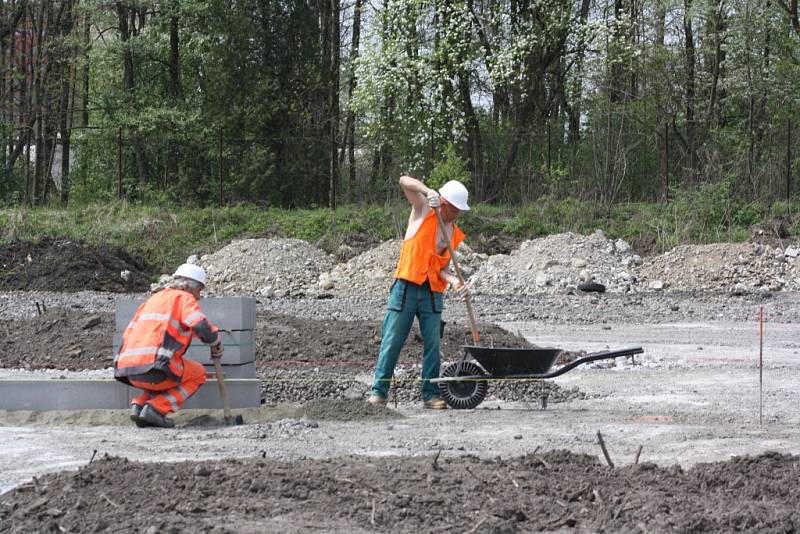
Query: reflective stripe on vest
(418, 258)
(162, 317)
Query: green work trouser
(406, 301)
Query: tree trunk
(716, 26)
(689, 65)
(175, 90)
(573, 107)
(474, 143)
(87, 39)
(350, 121)
(792, 9)
(127, 28)
(65, 108)
(333, 103)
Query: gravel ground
(576, 308)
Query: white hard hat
(456, 194)
(192, 272)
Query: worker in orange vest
(153, 345)
(421, 277)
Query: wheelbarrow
(464, 384)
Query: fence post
(221, 199)
(788, 159)
(119, 163)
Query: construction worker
(153, 345)
(421, 277)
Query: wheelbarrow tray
(513, 361)
(527, 364)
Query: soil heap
(553, 491)
(55, 264)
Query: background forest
(311, 103)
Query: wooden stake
(638, 452)
(476, 337)
(603, 447)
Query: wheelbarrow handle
(476, 337)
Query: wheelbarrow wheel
(463, 394)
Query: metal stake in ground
(761, 366)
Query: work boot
(136, 415)
(376, 399)
(151, 417)
(434, 403)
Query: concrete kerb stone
(42, 394)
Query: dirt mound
(531, 493)
(313, 342)
(53, 264)
(346, 410)
(58, 339)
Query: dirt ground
(55, 264)
(75, 340)
(553, 491)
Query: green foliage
(165, 235)
(450, 167)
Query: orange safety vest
(159, 334)
(418, 258)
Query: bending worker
(421, 277)
(153, 345)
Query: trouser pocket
(397, 295)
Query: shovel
(476, 337)
(226, 408)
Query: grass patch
(165, 236)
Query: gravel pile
(730, 267)
(265, 267)
(368, 273)
(371, 273)
(556, 263)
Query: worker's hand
(433, 199)
(462, 290)
(217, 351)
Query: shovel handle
(226, 409)
(476, 337)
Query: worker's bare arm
(416, 192)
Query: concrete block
(228, 313)
(239, 348)
(62, 394)
(41, 394)
(247, 370)
(242, 393)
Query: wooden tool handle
(226, 409)
(476, 337)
